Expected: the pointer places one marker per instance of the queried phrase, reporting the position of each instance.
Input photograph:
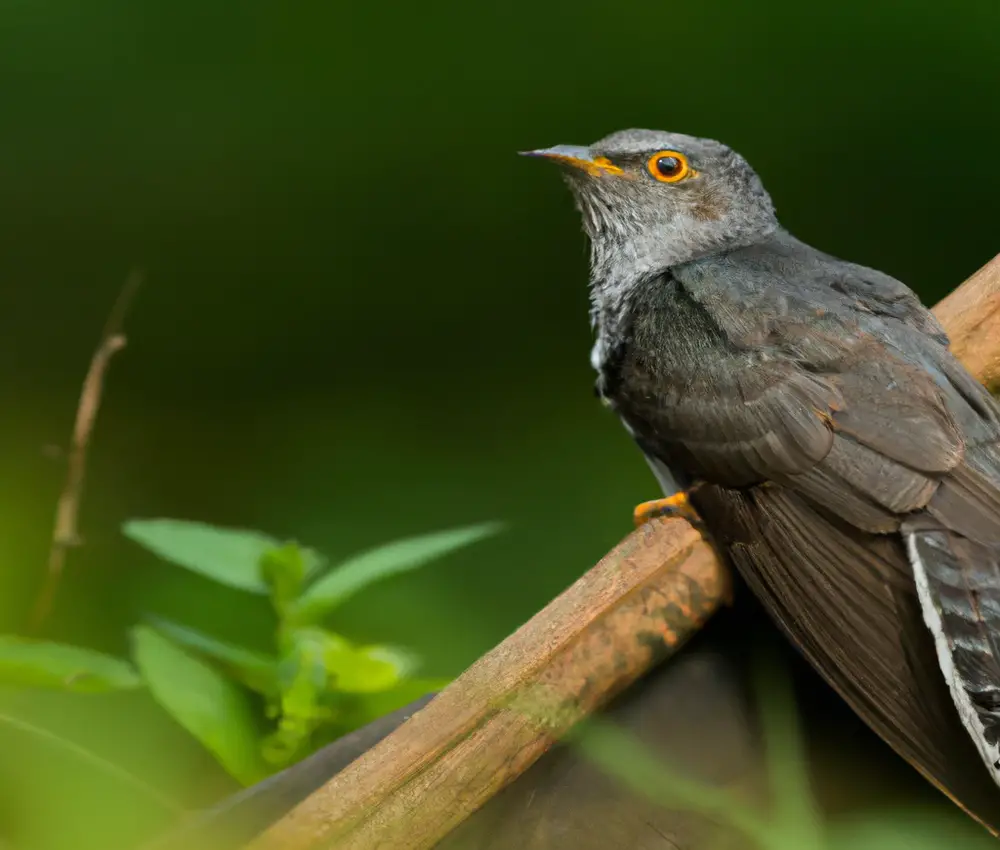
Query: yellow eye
(669, 166)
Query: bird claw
(678, 505)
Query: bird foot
(678, 505)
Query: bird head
(652, 199)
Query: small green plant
(313, 685)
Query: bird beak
(579, 157)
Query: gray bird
(834, 450)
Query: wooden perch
(972, 316)
(638, 605)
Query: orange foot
(678, 505)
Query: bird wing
(854, 615)
(824, 412)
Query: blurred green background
(365, 316)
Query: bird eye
(669, 166)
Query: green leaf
(37, 664)
(109, 768)
(366, 708)
(362, 669)
(212, 708)
(230, 556)
(400, 556)
(343, 667)
(257, 671)
(405, 661)
(284, 570)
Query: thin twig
(65, 533)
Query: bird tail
(958, 583)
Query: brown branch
(636, 607)
(65, 533)
(972, 316)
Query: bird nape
(835, 451)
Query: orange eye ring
(669, 166)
